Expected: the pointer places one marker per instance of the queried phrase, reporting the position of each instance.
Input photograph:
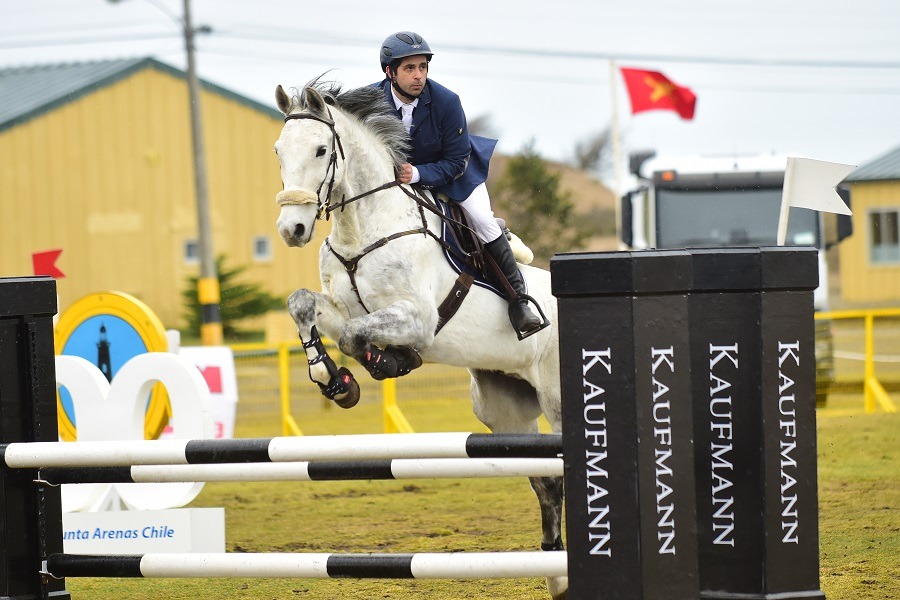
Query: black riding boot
(523, 320)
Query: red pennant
(44, 263)
(651, 90)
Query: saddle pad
(453, 256)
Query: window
(884, 237)
(262, 248)
(191, 252)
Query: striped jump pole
(424, 468)
(280, 449)
(448, 565)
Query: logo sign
(216, 365)
(108, 330)
(115, 411)
(141, 531)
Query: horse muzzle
(296, 224)
(299, 210)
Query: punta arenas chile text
(720, 424)
(663, 359)
(597, 477)
(788, 358)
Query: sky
(813, 78)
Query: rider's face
(411, 75)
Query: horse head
(311, 157)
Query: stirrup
(545, 322)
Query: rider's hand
(404, 173)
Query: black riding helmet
(402, 44)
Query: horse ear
(282, 100)
(314, 101)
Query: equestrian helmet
(402, 44)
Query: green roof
(883, 168)
(27, 92)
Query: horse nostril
(299, 230)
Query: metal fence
(277, 397)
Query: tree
(528, 195)
(481, 125)
(594, 153)
(239, 300)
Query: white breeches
(481, 217)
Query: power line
(90, 40)
(544, 78)
(602, 56)
(285, 36)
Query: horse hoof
(558, 587)
(352, 397)
(342, 388)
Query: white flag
(811, 184)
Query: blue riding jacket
(449, 160)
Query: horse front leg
(309, 309)
(387, 341)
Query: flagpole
(785, 202)
(617, 151)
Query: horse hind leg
(336, 383)
(508, 404)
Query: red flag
(651, 90)
(44, 263)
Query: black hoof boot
(343, 389)
(407, 359)
(380, 364)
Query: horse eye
(320, 152)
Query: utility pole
(208, 283)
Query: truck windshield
(699, 218)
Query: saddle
(465, 253)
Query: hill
(593, 200)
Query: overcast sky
(814, 78)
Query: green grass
(859, 502)
(859, 482)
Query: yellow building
(96, 160)
(870, 258)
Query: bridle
(302, 197)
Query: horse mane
(367, 104)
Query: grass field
(859, 481)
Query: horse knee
(352, 342)
(302, 306)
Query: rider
(444, 157)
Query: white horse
(384, 276)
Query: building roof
(883, 168)
(27, 92)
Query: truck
(695, 202)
